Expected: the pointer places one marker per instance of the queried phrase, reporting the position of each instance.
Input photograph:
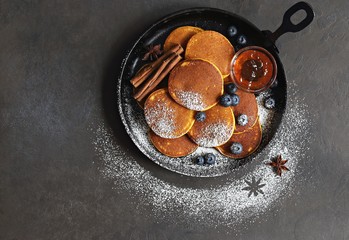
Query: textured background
(58, 64)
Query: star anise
(279, 165)
(153, 52)
(254, 187)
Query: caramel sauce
(253, 69)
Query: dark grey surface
(58, 64)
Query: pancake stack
(195, 84)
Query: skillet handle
(288, 26)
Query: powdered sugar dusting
(265, 115)
(214, 135)
(191, 100)
(160, 118)
(225, 204)
(137, 128)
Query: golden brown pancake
(216, 129)
(248, 106)
(176, 147)
(250, 140)
(213, 47)
(196, 84)
(180, 36)
(165, 117)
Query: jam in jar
(253, 69)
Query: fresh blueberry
(242, 40)
(200, 116)
(226, 100)
(230, 88)
(235, 99)
(210, 158)
(236, 148)
(232, 31)
(200, 160)
(269, 103)
(242, 119)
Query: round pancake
(213, 47)
(176, 147)
(165, 117)
(196, 84)
(181, 36)
(248, 106)
(250, 140)
(216, 129)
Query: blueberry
(242, 40)
(269, 103)
(231, 88)
(242, 119)
(232, 31)
(210, 158)
(226, 100)
(235, 99)
(200, 160)
(236, 148)
(200, 116)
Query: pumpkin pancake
(165, 117)
(181, 36)
(176, 147)
(196, 84)
(213, 47)
(216, 129)
(250, 140)
(248, 106)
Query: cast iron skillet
(209, 19)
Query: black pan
(209, 19)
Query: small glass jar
(253, 69)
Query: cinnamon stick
(173, 62)
(155, 76)
(141, 76)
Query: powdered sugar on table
(226, 203)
